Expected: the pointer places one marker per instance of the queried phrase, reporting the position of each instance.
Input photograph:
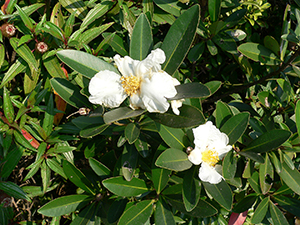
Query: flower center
(130, 84)
(210, 157)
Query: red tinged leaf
(34, 143)
(237, 218)
(3, 8)
(60, 105)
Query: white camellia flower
(143, 81)
(211, 145)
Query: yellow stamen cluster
(210, 157)
(130, 84)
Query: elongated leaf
(254, 182)
(132, 133)
(163, 214)
(276, 215)
(268, 141)
(117, 43)
(179, 39)
(120, 114)
(52, 65)
(260, 211)
(25, 18)
(214, 8)
(64, 205)
(259, 53)
(100, 169)
(137, 214)
(290, 177)
(229, 165)
(69, 92)
(55, 166)
(116, 210)
(129, 161)
(141, 38)
(223, 113)
(189, 117)
(86, 216)
(160, 178)
(121, 187)
(169, 6)
(49, 116)
(191, 188)
(191, 90)
(297, 115)
(76, 6)
(141, 146)
(77, 177)
(93, 130)
(236, 126)
(7, 106)
(84, 63)
(245, 204)
(10, 161)
(289, 204)
(175, 138)
(266, 175)
(221, 192)
(203, 208)
(173, 159)
(13, 190)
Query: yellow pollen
(210, 157)
(130, 84)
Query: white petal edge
(209, 174)
(195, 156)
(106, 89)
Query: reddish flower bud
(8, 30)
(41, 47)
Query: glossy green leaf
(64, 205)
(56, 167)
(245, 204)
(169, 6)
(69, 25)
(212, 48)
(49, 116)
(132, 133)
(52, 65)
(13, 190)
(100, 169)
(8, 106)
(266, 175)
(129, 161)
(254, 182)
(84, 63)
(191, 188)
(86, 216)
(93, 130)
(214, 8)
(54, 30)
(297, 115)
(196, 51)
(25, 18)
(259, 53)
(290, 177)
(117, 43)
(96, 12)
(175, 138)
(225, 42)
(69, 92)
(271, 43)
(203, 208)
(160, 178)
(10, 161)
(76, 6)
(121, 187)
(236, 126)
(179, 39)
(276, 215)
(289, 204)
(18, 67)
(116, 210)
(77, 177)
(120, 114)
(189, 116)
(252, 155)
(141, 39)
(229, 165)
(221, 192)
(223, 113)
(45, 175)
(137, 214)
(268, 141)
(191, 90)
(260, 211)
(2, 54)
(141, 146)
(163, 215)
(173, 159)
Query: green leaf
(223, 113)
(259, 53)
(121, 187)
(18, 67)
(76, 6)
(236, 126)
(141, 39)
(175, 138)
(260, 211)
(13, 190)
(179, 39)
(173, 159)
(69, 92)
(45, 174)
(116, 210)
(225, 42)
(245, 204)
(86, 216)
(93, 130)
(290, 177)
(84, 63)
(276, 215)
(120, 114)
(212, 48)
(141, 146)
(117, 43)
(169, 6)
(163, 214)
(137, 214)
(160, 178)
(100, 169)
(268, 141)
(7, 106)
(55, 166)
(52, 65)
(196, 52)
(191, 188)
(191, 90)
(64, 205)
(129, 161)
(297, 115)
(203, 208)
(49, 116)
(2, 54)
(189, 116)
(25, 18)
(214, 8)
(10, 161)
(221, 192)
(96, 12)
(289, 204)
(77, 177)
(132, 133)
(271, 43)
(254, 156)
(229, 165)
(254, 182)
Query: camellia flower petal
(143, 81)
(211, 145)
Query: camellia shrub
(149, 112)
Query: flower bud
(42, 47)
(8, 30)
